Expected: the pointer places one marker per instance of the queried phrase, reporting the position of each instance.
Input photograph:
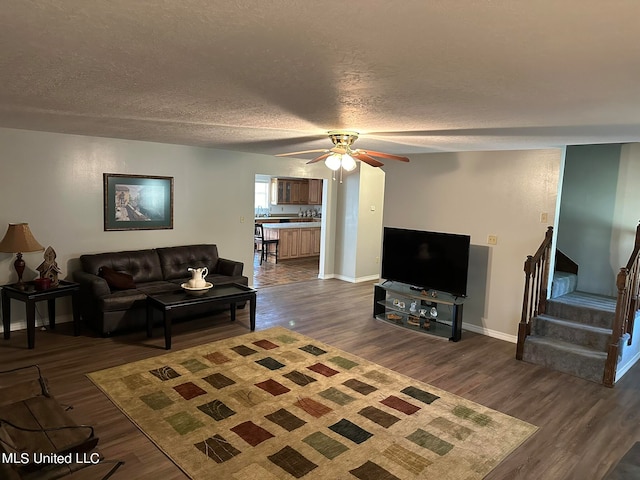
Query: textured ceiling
(273, 76)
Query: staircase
(579, 333)
(572, 335)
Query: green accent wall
(587, 211)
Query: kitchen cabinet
(279, 191)
(315, 191)
(296, 239)
(304, 192)
(309, 242)
(286, 191)
(289, 246)
(296, 191)
(315, 241)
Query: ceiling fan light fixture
(342, 156)
(348, 163)
(333, 162)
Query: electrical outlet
(544, 217)
(492, 240)
(241, 219)
(377, 259)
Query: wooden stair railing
(626, 308)
(536, 274)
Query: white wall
(359, 224)
(627, 206)
(347, 225)
(625, 220)
(54, 182)
(371, 209)
(500, 193)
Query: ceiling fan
(342, 156)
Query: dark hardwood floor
(584, 427)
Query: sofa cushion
(116, 280)
(142, 265)
(217, 279)
(123, 300)
(175, 261)
(135, 298)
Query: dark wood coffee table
(171, 303)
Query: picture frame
(137, 202)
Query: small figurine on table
(414, 306)
(49, 268)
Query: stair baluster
(536, 271)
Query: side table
(30, 296)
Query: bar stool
(258, 239)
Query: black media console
(433, 312)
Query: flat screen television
(426, 260)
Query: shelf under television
(392, 304)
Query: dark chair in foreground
(263, 244)
(34, 426)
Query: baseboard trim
(369, 278)
(327, 276)
(627, 366)
(490, 333)
(40, 322)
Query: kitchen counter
(281, 226)
(295, 239)
(285, 219)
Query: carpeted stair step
(563, 283)
(586, 308)
(565, 357)
(577, 333)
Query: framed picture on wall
(137, 202)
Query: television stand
(392, 303)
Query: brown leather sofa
(111, 306)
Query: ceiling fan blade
(367, 159)
(317, 159)
(302, 152)
(385, 155)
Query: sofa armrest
(92, 283)
(229, 267)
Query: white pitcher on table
(197, 277)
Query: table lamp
(18, 240)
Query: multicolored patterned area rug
(275, 404)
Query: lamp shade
(19, 239)
(348, 163)
(333, 161)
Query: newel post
(611, 364)
(523, 327)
